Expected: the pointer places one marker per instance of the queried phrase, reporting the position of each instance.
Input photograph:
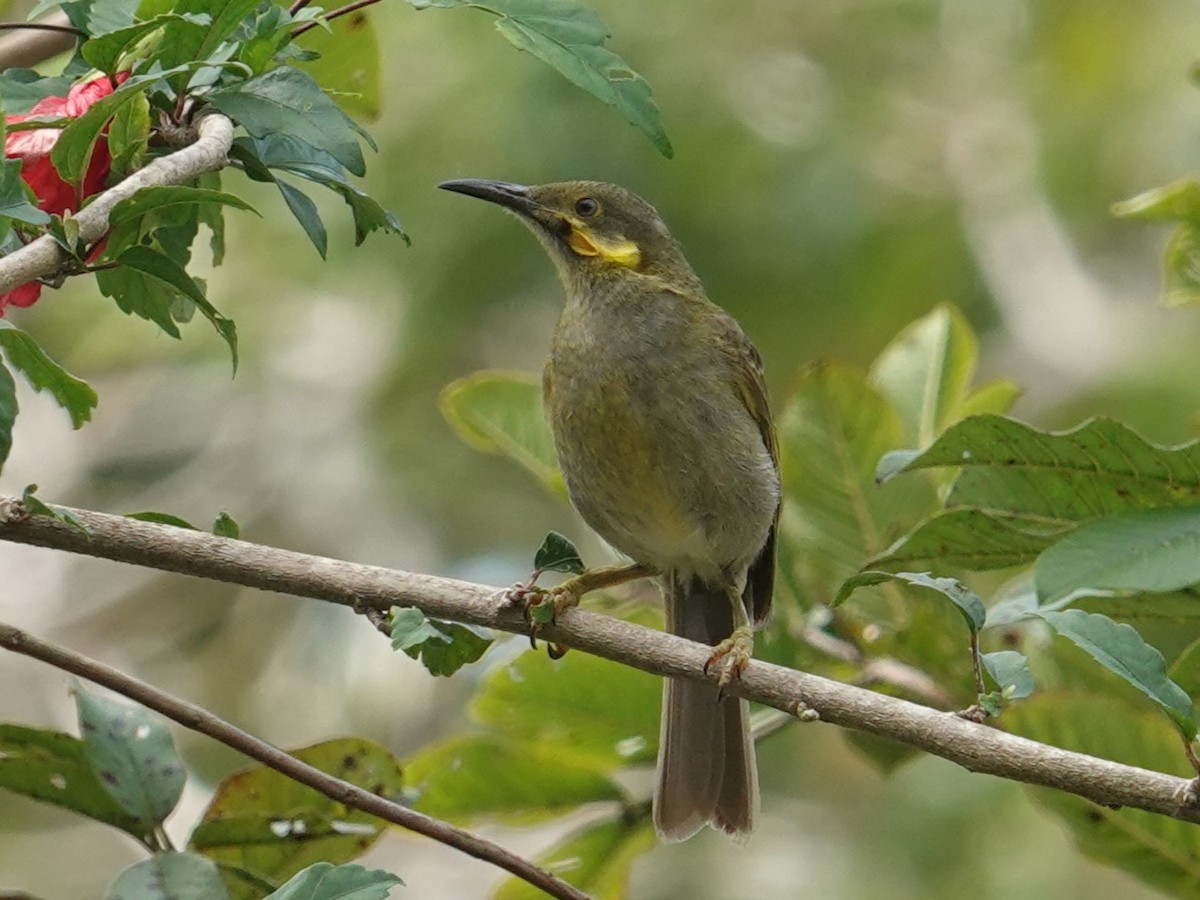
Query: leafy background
(839, 170)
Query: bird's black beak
(513, 196)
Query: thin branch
(335, 14)
(43, 257)
(976, 747)
(199, 719)
(41, 26)
(28, 48)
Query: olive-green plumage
(659, 412)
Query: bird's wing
(751, 383)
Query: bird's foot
(730, 657)
(542, 606)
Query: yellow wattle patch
(623, 253)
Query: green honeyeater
(659, 411)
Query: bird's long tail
(706, 767)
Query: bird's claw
(541, 606)
(730, 657)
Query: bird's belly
(667, 479)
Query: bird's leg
(543, 605)
(733, 654)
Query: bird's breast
(659, 454)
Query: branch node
(974, 713)
(377, 617)
(1188, 796)
(804, 712)
(12, 511)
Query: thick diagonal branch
(43, 257)
(979, 748)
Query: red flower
(33, 148)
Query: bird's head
(593, 230)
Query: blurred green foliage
(839, 171)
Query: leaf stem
(329, 17)
(1191, 755)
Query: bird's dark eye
(587, 207)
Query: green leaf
(1099, 469)
(995, 397)
(1010, 671)
(24, 354)
(226, 15)
(1175, 202)
(8, 411)
(598, 859)
(966, 601)
(73, 149)
(266, 824)
(160, 267)
(323, 881)
(36, 507)
(443, 647)
(132, 752)
(1181, 267)
(213, 216)
(926, 372)
(1162, 851)
(159, 198)
(368, 214)
(162, 519)
(558, 554)
(104, 51)
(54, 767)
(225, 526)
(1120, 649)
(969, 539)
(14, 196)
(286, 100)
(1150, 550)
(348, 66)
(501, 412)
(517, 781)
(196, 36)
(290, 154)
(137, 294)
(1176, 606)
(570, 37)
(306, 214)
(832, 431)
(23, 88)
(169, 876)
(129, 136)
(98, 16)
(590, 711)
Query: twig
(975, 747)
(335, 14)
(41, 26)
(199, 719)
(42, 257)
(28, 48)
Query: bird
(657, 402)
